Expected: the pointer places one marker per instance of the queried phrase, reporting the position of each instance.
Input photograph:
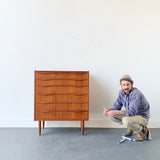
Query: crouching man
(135, 116)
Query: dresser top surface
(61, 71)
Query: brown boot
(128, 133)
(141, 135)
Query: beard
(126, 90)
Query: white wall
(108, 38)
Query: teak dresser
(61, 96)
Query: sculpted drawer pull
(61, 102)
(63, 111)
(62, 85)
(47, 94)
(79, 111)
(49, 79)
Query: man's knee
(125, 121)
(117, 119)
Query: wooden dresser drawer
(59, 98)
(62, 107)
(60, 116)
(63, 82)
(61, 90)
(61, 75)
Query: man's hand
(106, 112)
(112, 113)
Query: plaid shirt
(134, 102)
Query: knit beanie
(127, 78)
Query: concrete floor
(68, 144)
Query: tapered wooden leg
(39, 127)
(43, 124)
(82, 127)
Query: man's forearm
(119, 113)
(114, 113)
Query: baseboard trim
(109, 124)
(93, 123)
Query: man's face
(126, 86)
